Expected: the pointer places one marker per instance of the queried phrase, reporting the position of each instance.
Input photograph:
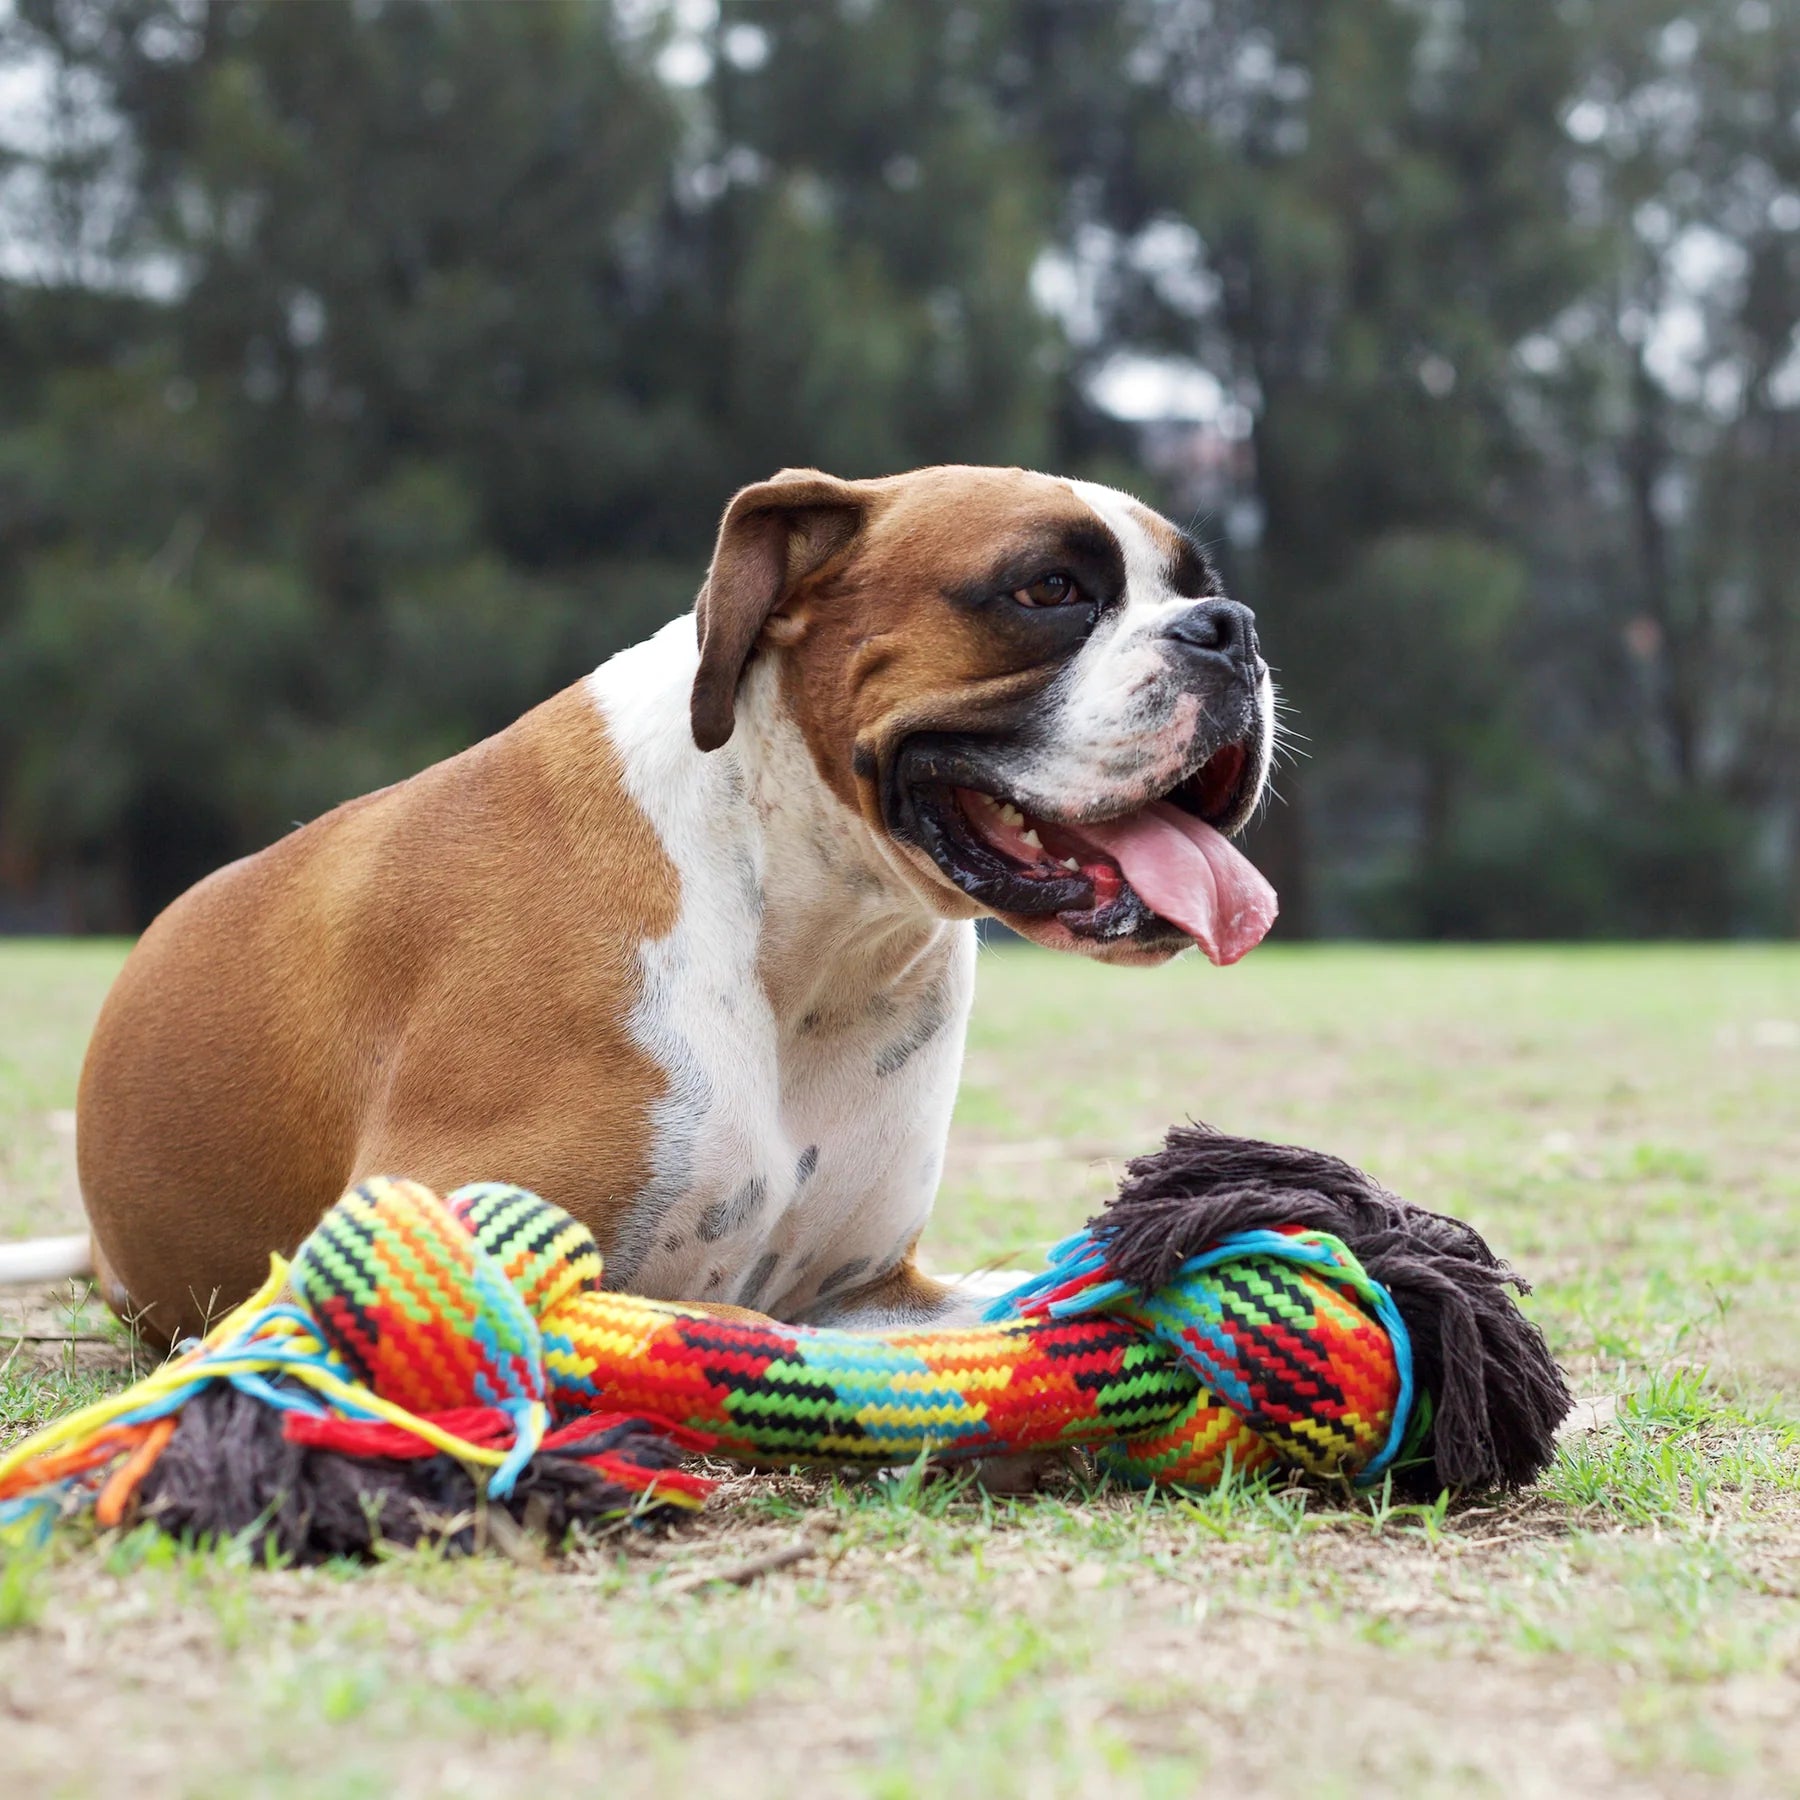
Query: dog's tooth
(1011, 814)
(1069, 862)
(1031, 838)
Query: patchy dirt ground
(1624, 1124)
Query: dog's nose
(1225, 628)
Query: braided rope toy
(1238, 1306)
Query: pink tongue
(1192, 876)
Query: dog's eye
(1050, 590)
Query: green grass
(1623, 1123)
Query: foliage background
(368, 370)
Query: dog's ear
(773, 536)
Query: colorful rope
(478, 1328)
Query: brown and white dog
(689, 949)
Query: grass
(1623, 1123)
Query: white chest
(796, 1150)
(790, 1165)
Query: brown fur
(434, 980)
(874, 647)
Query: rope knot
(435, 1304)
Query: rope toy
(1238, 1305)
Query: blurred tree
(351, 428)
(1677, 429)
(369, 368)
(452, 326)
(1353, 215)
(863, 240)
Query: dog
(689, 949)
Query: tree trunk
(1436, 812)
(1646, 460)
(1793, 848)
(1279, 844)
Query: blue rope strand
(1081, 1254)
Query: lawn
(1623, 1123)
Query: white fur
(1122, 720)
(777, 874)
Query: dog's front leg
(904, 1297)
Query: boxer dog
(689, 949)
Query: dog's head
(1032, 691)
